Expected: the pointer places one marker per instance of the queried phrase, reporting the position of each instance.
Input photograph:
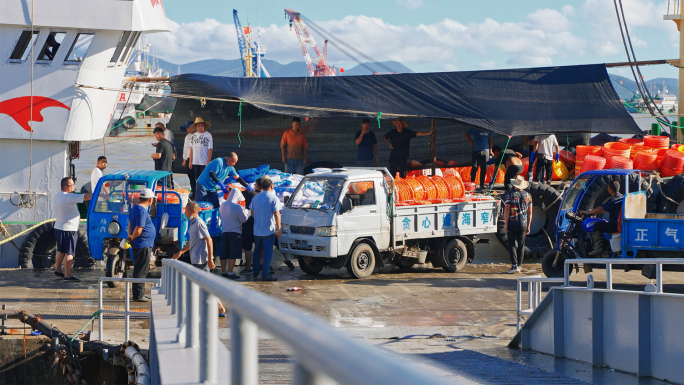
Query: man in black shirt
(399, 141)
(510, 160)
(163, 158)
(613, 206)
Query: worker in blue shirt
(222, 167)
(481, 145)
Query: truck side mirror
(346, 205)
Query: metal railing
(127, 304)
(534, 297)
(322, 355)
(608, 262)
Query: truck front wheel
(114, 269)
(362, 261)
(309, 265)
(455, 256)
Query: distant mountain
(626, 87)
(219, 67)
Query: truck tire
(309, 265)
(548, 267)
(114, 269)
(455, 256)
(127, 122)
(40, 246)
(362, 261)
(404, 262)
(674, 190)
(546, 202)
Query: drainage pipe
(142, 371)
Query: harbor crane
(250, 52)
(322, 68)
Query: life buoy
(39, 248)
(546, 202)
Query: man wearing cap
(293, 147)
(163, 158)
(517, 220)
(141, 233)
(202, 145)
(399, 141)
(187, 150)
(222, 168)
(366, 145)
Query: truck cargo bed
(445, 219)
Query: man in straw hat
(399, 140)
(517, 220)
(202, 145)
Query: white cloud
(491, 64)
(410, 4)
(568, 10)
(549, 20)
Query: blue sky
(432, 35)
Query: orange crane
(322, 68)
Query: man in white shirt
(66, 227)
(97, 174)
(202, 145)
(187, 150)
(546, 148)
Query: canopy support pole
(433, 146)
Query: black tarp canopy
(512, 102)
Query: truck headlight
(326, 231)
(284, 228)
(114, 228)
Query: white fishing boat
(64, 61)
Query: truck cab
(108, 217)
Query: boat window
(132, 41)
(79, 48)
(52, 44)
(22, 50)
(119, 47)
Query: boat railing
(534, 295)
(127, 313)
(609, 262)
(321, 354)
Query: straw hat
(200, 120)
(519, 182)
(400, 119)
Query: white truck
(348, 217)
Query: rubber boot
(597, 241)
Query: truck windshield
(575, 191)
(316, 193)
(110, 198)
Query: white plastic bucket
(616, 243)
(422, 255)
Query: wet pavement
(460, 323)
